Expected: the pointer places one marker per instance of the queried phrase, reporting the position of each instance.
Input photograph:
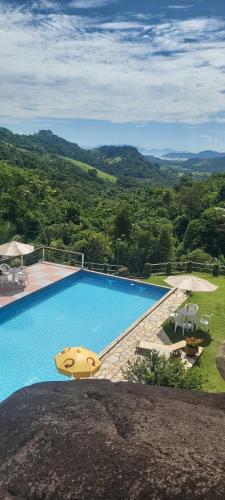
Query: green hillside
(88, 168)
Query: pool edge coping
(136, 323)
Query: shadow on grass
(177, 336)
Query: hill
(91, 170)
(209, 166)
(203, 155)
(119, 161)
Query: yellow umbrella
(77, 362)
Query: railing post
(43, 253)
(82, 261)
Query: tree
(123, 222)
(155, 369)
(193, 235)
(165, 246)
(95, 246)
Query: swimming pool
(85, 308)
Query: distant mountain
(209, 166)
(203, 155)
(118, 161)
(210, 155)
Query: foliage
(96, 246)
(165, 245)
(193, 341)
(49, 196)
(155, 369)
(199, 255)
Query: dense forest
(139, 213)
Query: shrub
(216, 270)
(198, 255)
(155, 369)
(147, 270)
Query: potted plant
(192, 344)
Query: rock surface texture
(220, 360)
(98, 440)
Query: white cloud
(61, 66)
(180, 6)
(88, 4)
(122, 25)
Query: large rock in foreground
(98, 440)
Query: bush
(147, 270)
(199, 255)
(155, 369)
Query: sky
(150, 73)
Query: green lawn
(208, 303)
(87, 168)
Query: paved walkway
(149, 329)
(39, 275)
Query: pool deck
(40, 275)
(148, 329)
(115, 357)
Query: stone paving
(148, 329)
(39, 275)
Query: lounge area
(13, 276)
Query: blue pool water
(84, 309)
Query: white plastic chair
(22, 279)
(205, 320)
(181, 321)
(192, 315)
(191, 308)
(4, 279)
(172, 316)
(4, 267)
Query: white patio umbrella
(191, 283)
(15, 249)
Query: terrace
(40, 275)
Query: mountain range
(203, 155)
(123, 162)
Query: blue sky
(149, 73)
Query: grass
(208, 303)
(88, 168)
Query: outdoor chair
(22, 279)
(191, 307)
(191, 314)
(4, 267)
(181, 321)
(166, 350)
(172, 316)
(4, 279)
(205, 320)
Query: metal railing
(64, 257)
(47, 254)
(76, 259)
